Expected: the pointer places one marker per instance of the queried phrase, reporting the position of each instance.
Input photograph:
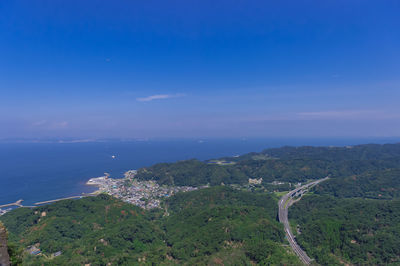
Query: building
(255, 181)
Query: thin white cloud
(360, 115)
(158, 97)
(44, 124)
(59, 125)
(339, 114)
(39, 123)
(334, 113)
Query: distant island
(225, 211)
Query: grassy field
(280, 193)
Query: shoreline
(91, 182)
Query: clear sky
(137, 69)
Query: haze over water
(43, 171)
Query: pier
(17, 204)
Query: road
(284, 203)
(55, 200)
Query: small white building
(255, 181)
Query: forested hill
(383, 184)
(288, 164)
(357, 152)
(352, 218)
(337, 231)
(211, 226)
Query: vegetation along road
(284, 203)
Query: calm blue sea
(43, 171)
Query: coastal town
(145, 194)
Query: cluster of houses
(145, 194)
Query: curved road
(284, 203)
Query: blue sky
(143, 69)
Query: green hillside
(357, 231)
(202, 227)
(384, 184)
(288, 164)
(92, 230)
(353, 218)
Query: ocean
(43, 171)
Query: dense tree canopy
(359, 231)
(354, 217)
(289, 164)
(199, 227)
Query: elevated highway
(284, 203)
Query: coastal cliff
(4, 257)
